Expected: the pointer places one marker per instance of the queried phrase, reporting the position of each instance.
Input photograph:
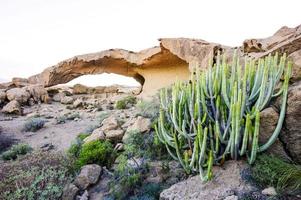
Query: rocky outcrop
(227, 181)
(291, 132)
(12, 107)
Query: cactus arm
(255, 139)
(276, 132)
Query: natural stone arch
(153, 68)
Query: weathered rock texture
(227, 182)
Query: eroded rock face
(227, 181)
(268, 122)
(291, 134)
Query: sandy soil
(60, 136)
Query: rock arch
(153, 68)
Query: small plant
(128, 176)
(15, 150)
(144, 145)
(148, 109)
(96, 152)
(102, 116)
(272, 171)
(73, 116)
(34, 124)
(122, 104)
(61, 119)
(6, 142)
(76, 146)
(39, 175)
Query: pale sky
(35, 34)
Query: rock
(58, 97)
(111, 89)
(232, 197)
(115, 135)
(84, 196)
(99, 89)
(97, 134)
(78, 103)
(38, 93)
(118, 146)
(20, 82)
(12, 107)
(268, 122)
(156, 67)
(69, 192)
(80, 89)
(141, 125)
(291, 133)
(270, 191)
(109, 123)
(227, 181)
(18, 94)
(67, 100)
(89, 175)
(2, 96)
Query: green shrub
(6, 141)
(15, 150)
(73, 115)
(61, 119)
(76, 146)
(34, 124)
(122, 103)
(96, 152)
(149, 109)
(144, 145)
(271, 171)
(39, 175)
(127, 177)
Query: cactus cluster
(216, 115)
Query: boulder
(115, 135)
(291, 132)
(109, 123)
(270, 191)
(227, 181)
(38, 93)
(69, 192)
(97, 134)
(2, 96)
(79, 102)
(13, 107)
(80, 89)
(141, 125)
(67, 100)
(58, 97)
(89, 175)
(18, 94)
(268, 122)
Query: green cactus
(216, 115)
